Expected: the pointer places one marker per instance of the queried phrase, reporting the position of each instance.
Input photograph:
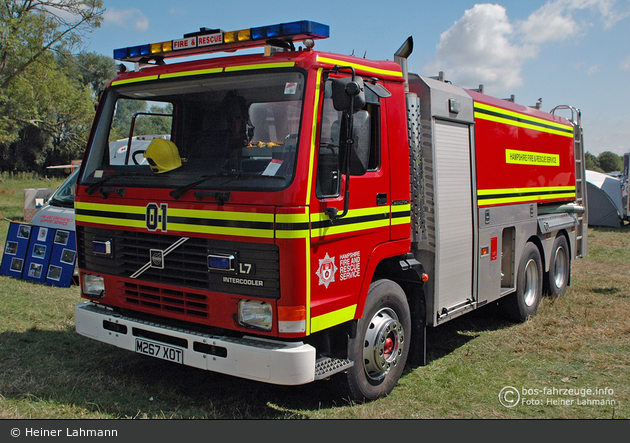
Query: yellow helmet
(162, 155)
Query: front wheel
(381, 345)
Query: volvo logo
(156, 257)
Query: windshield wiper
(233, 174)
(90, 189)
(178, 192)
(61, 203)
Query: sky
(565, 52)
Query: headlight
(93, 285)
(255, 314)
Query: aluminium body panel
(454, 229)
(444, 196)
(503, 233)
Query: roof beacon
(214, 40)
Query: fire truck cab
(308, 214)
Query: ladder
(580, 179)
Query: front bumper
(269, 361)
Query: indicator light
(221, 262)
(102, 247)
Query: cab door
(341, 245)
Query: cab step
(326, 366)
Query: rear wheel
(523, 303)
(381, 345)
(559, 267)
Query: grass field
(571, 361)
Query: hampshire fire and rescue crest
(326, 271)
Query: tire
(557, 279)
(523, 304)
(381, 344)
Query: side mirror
(359, 146)
(344, 90)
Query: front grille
(185, 266)
(166, 300)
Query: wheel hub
(384, 344)
(561, 267)
(531, 283)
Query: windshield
(64, 195)
(231, 132)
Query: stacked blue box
(39, 254)
(16, 249)
(62, 259)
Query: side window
(328, 180)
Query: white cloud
(485, 47)
(141, 23)
(593, 70)
(126, 18)
(625, 64)
(555, 19)
(478, 49)
(552, 21)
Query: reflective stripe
(355, 220)
(204, 71)
(314, 134)
(498, 115)
(361, 67)
(135, 80)
(259, 66)
(334, 318)
(292, 225)
(241, 224)
(247, 224)
(401, 214)
(195, 72)
(519, 195)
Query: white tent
(604, 200)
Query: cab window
(328, 181)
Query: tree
(32, 28)
(38, 95)
(91, 70)
(591, 162)
(609, 161)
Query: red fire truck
(307, 214)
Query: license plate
(160, 351)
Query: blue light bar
(213, 40)
(136, 51)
